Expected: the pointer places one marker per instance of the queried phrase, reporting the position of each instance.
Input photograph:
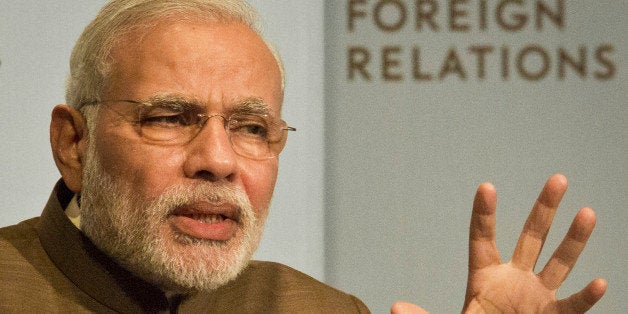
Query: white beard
(134, 231)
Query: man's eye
(168, 114)
(255, 129)
(250, 126)
(165, 120)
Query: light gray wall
(35, 43)
(404, 158)
(295, 229)
(36, 38)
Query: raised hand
(513, 287)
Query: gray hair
(90, 63)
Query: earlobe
(68, 140)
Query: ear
(68, 139)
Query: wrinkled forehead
(209, 62)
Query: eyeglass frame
(203, 119)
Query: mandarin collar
(90, 269)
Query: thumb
(407, 308)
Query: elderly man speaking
(167, 150)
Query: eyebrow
(174, 99)
(249, 105)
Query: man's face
(197, 204)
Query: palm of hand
(505, 288)
(513, 287)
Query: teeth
(208, 219)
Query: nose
(210, 155)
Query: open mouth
(206, 221)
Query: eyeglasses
(252, 130)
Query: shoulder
(23, 257)
(23, 266)
(282, 276)
(31, 282)
(20, 247)
(279, 288)
(19, 237)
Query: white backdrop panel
(425, 103)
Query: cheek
(148, 169)
(259, 182)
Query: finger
(566, 255)
(407, 308)
(585, 299)
(538, 223)
(482, 247)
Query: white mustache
(214, 193)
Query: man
(168, 155)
